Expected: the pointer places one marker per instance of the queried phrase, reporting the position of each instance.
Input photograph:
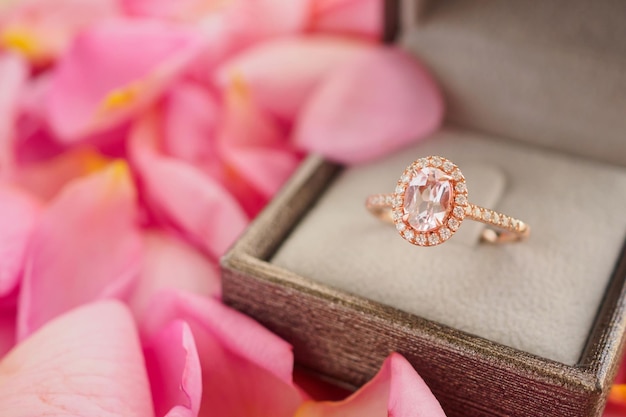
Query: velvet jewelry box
(536, 97)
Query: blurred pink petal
(34, 143)
(183, 196)
(47, 178)
(13, 77)
(370, 107)
(170, 263)
(256, 155)
(303, 63)
(18, 216)
(397, 390)
(114, 70)
(244, 122)
(194, 124)
(87, 362)
(255, 20)
(86, 246)
(163, 9)
(245, 20)
(174, 371)
(9, 301)
(42, 29)
(228, 26)
(177, 10)
(265, 169)
(246, 369)
(191, 114)
(33, 139)
(7, 330)
(348, 17)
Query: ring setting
(430, 203)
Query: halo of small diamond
(458, 203)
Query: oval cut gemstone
(428, 199)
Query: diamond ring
(430, 203)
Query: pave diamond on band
(430, 203)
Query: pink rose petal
(228, 27)
(246, 20)
(183, 196)
(8, 319)
(174, 370)
(195, 124)
(283, 73)
(86, 246)
(87, 362)
(370, 107)
(171, 263)
(37, 144)
(265, 169)
(246, 369)
(397, 390)
(33, 139)
(164, 9)
(244, 122)
(9, 301)
(191, 114)
(40, 30)
(47, 178)
(114, 70)
(13, 77)
(349, 17)
(18, 216)
(254, 152)
(251, 21)
(254, 19)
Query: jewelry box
(536, 119)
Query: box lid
(551, 73)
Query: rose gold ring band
(430, 203)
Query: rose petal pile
(137, 140)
